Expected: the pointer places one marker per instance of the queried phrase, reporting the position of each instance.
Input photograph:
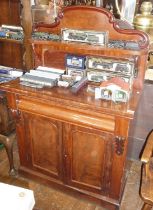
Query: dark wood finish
(45, 158)
(10, 12)
(7, 134)
(27, 26)
(146, 187)
(73, 141)
(54, 199)
(6, 121)
(11, 52)
(146, 207)
(77, 145)
(8, 144)
(95, 15)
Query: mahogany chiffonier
(74, 141)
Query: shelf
(11, 41)
(81, 48)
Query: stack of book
(11, 32)
(41, 77)
(9, 73)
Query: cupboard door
(42, 144)
(88, 158)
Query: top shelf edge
(70, 46)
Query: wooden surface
(73, 149)
(27, 26)
(56, 199)
(7, 124)
(73, 141)
(68, 143)
(71, 15)
(11, 52)
(146, 188)
(148, 150)
(10, 12)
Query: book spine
(4, 71)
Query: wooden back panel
(93, 18)
(90, 18)
(10, 12)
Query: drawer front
(66, 115)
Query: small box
(97, 76)
(100, 76)
(75, 61)
(85, 36)
(118, 66)
(76, 74)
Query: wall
(142, 123)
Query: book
(45, 74)
(38, 80)
(50, 69)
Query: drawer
(66, 115)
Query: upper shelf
(52, 53)
(82, 48)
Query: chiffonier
(74, 141)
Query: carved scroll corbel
(119, 145)
(16, 114)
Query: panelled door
(88, 158)
(42, 144)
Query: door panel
(87, 158)
(44, 139)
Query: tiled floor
(51, 199)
